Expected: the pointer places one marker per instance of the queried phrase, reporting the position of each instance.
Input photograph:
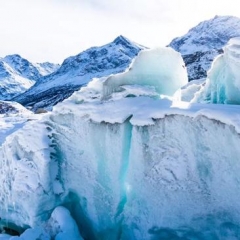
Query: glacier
(134, 163)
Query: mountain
(78, 70)
(204, 42)
(17, 74)
(46, 68)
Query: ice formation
(223, 81)
(60, 226)
(134, 166)
(187, 92)
(151, 68)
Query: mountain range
(17, 75)
(44, 85)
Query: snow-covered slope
(46, 68)
(13, 116)
(204, 42)
(18, 74)
(78, 70)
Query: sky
(52, 30)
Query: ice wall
(177, 177)
(26, 195)
(223, 81)
(135, 166)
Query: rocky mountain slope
(78, 70)
(18, 74)
(204, 42)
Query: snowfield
(125, 159)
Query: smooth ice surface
(208, 35)
(223, 81)
(204, 42)
(154, 68)
(18, 74)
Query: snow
(11, 82)
(223, 81)
(204, 42)
(208, 35)
(18, 74)
(188, 91)
(119, 110)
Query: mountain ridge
(202, 43)
(17, 74)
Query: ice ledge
(142, 111)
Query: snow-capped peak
(208, 35)
(17, 75)
(121, 40)
(22, 66)
(204, 42)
